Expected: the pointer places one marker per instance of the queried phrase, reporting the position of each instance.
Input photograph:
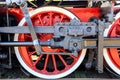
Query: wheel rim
(112, 55)
(47, 66)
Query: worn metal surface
(108, 43)
(100, 46)
(24, 29)
(31, 28)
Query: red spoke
(45, 37)
(61, 18)
(46, 61)
(39, 17)
(63, 61)
(32, 53)
(51, 19)
(28, 36)
(118, 24)
(41, 36)
(54, 62)
(38, 59)
(61, 50)
(75, 58)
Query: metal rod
(25, 29)
(7, 15)
(88, 43)
(107, 43)
(57, 53)
(31, 28)
(9, 48)
(100, 47)
(22, 43)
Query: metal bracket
(101, 28)
(91, 54)
(31, 28)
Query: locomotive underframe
(75, 39)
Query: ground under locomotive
(51, 42)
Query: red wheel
(112, 55)
(47, 66)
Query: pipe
(23, 43)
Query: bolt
(61, 29)
(89, 29)
(75, 44)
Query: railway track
(17, 72)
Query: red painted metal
(84, 14)
(17, 12)
(60, 63)
(114, 53)
(50, 64)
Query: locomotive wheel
(47, 66)
(112, 55)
